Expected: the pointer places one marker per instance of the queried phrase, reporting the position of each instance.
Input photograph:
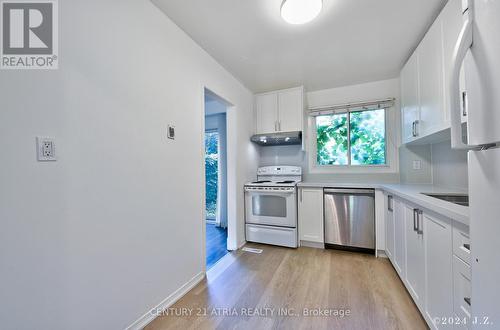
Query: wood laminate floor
(257, 291)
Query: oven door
(271, 207)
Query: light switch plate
(417, 164)
(171, 132)
(45, 149)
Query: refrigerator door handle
(463, 44)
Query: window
(356, 138)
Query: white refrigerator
(478, 49)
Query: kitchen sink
(458, 199)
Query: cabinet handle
(413, 129)
(416, 128)
(467, 300)
(389, 203)
(276, 126)
(415, 226)
(464, 103)
(301, 190)
(279, 125)
(420, 219)
(467, 246)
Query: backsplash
(439, 165)
(293, 155)
(449, 166)
(422, 154)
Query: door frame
(231, 173)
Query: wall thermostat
(171, 132)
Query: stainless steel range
(271, 206)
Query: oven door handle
(270, 192)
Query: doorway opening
(216, 219)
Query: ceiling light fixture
(300, 11)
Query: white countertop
(412, 193)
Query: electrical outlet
(46, 149)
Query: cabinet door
(311, 215)
(438, 268)
(291, 110)
(409, 98)
(399, 238)
(389, 228)
(431, 81)
(267, 113)
(415, 255)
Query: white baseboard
(148, 317)
(241, 245)
(381, 254)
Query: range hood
(278, 139)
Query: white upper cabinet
(280, 111)
(410, 104)
(267, 113)
(431, 82)
(291, 110)
(425, 79)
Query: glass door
(211, 173)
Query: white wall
(113, 227)
(292, 155)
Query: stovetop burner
(262, 181)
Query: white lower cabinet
(462, 276)
(399, 237)
(439, 270)
(389, 227)
(415, 253)
(311, 215)
(461, 290)
(422, 254)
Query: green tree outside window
(211, 172)
(366, 144)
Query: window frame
(349, 152)
(392, 143)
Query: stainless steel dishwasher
(350, 219)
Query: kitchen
(359, 175)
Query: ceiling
(351, 41)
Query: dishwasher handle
(349, 191)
